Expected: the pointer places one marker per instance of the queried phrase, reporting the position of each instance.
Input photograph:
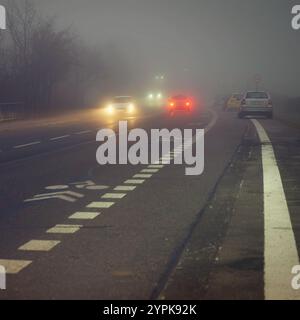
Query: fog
(218, 45)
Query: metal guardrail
(11, 111)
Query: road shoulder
(225, 252)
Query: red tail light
(188, 104)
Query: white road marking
(69, 196)
(114, 196)
(154, 166)
(27, 145)
(212, 122)
(100, 205)
(64, 229)
(14, 266)
(58, 187)
(280, 250)
(61, 197)
(59, 138)
(39, 245)
(84, 215)
(83, 132)
(124, 188)
(134, 181)
(142, 176)
(150, 170)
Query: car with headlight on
(125, 104)
(180, 103)
(256, 103)
(155, 98)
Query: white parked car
(256, 103)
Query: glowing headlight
(110, 109)
(131, 108)
(150, 96)
(159, 96)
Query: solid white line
(280, 250)
(59, 138)
(27, 145)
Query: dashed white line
(280, 250)
(64, 229)
(27, 145)
(150, 170)
(100, 205)
(83, 132)
(84, 215)
(156, 166)
(60, 138)
(134, 181)
(143, 176)
(114, 196)
(39, 245)
(124, 188)
(14, 266)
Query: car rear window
(179, 97)
(257, 95)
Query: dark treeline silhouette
(46, 69)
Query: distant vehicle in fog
(256, 103)
(234, 102)
(180, 103)
(155, 98)
(125, 104)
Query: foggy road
(72, 229)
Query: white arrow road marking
(280, 250)
(89, 185)
(69, 196)
(58, 187)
